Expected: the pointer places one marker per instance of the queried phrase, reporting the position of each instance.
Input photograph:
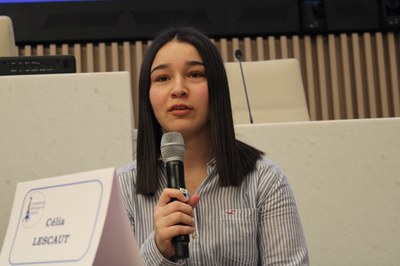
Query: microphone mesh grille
(172, 146)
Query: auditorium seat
(57, 124)
(345, 177)
(275, 91)
(7, 40)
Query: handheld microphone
(238, 55)
(172, 151)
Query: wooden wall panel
(345, 76)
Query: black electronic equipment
(29, 65)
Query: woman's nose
(179, 88)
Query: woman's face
(178, 90)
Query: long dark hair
(234, 159)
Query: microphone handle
(245, 89)
(176, 179)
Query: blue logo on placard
(28, 211)
(33, 209)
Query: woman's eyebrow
(162, 66)
(189, 63)
(195, 63)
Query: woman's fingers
(173, 216)
(193, 200)
(169, 194)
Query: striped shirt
(256, 223)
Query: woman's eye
(161, 78)
(196, 74)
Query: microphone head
(238, 54)
(172, 147)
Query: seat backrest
(345, 177)
(275, 91)
(59, 124)
(7, 40)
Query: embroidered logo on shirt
(231, 211)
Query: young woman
(241, 210)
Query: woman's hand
(173, 218)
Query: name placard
(68, 220)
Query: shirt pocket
(238, 236)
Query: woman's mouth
(179, 108)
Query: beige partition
(7, 40)
(275, 91)
(345, 175)
(61, 124)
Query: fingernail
(185, 192)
